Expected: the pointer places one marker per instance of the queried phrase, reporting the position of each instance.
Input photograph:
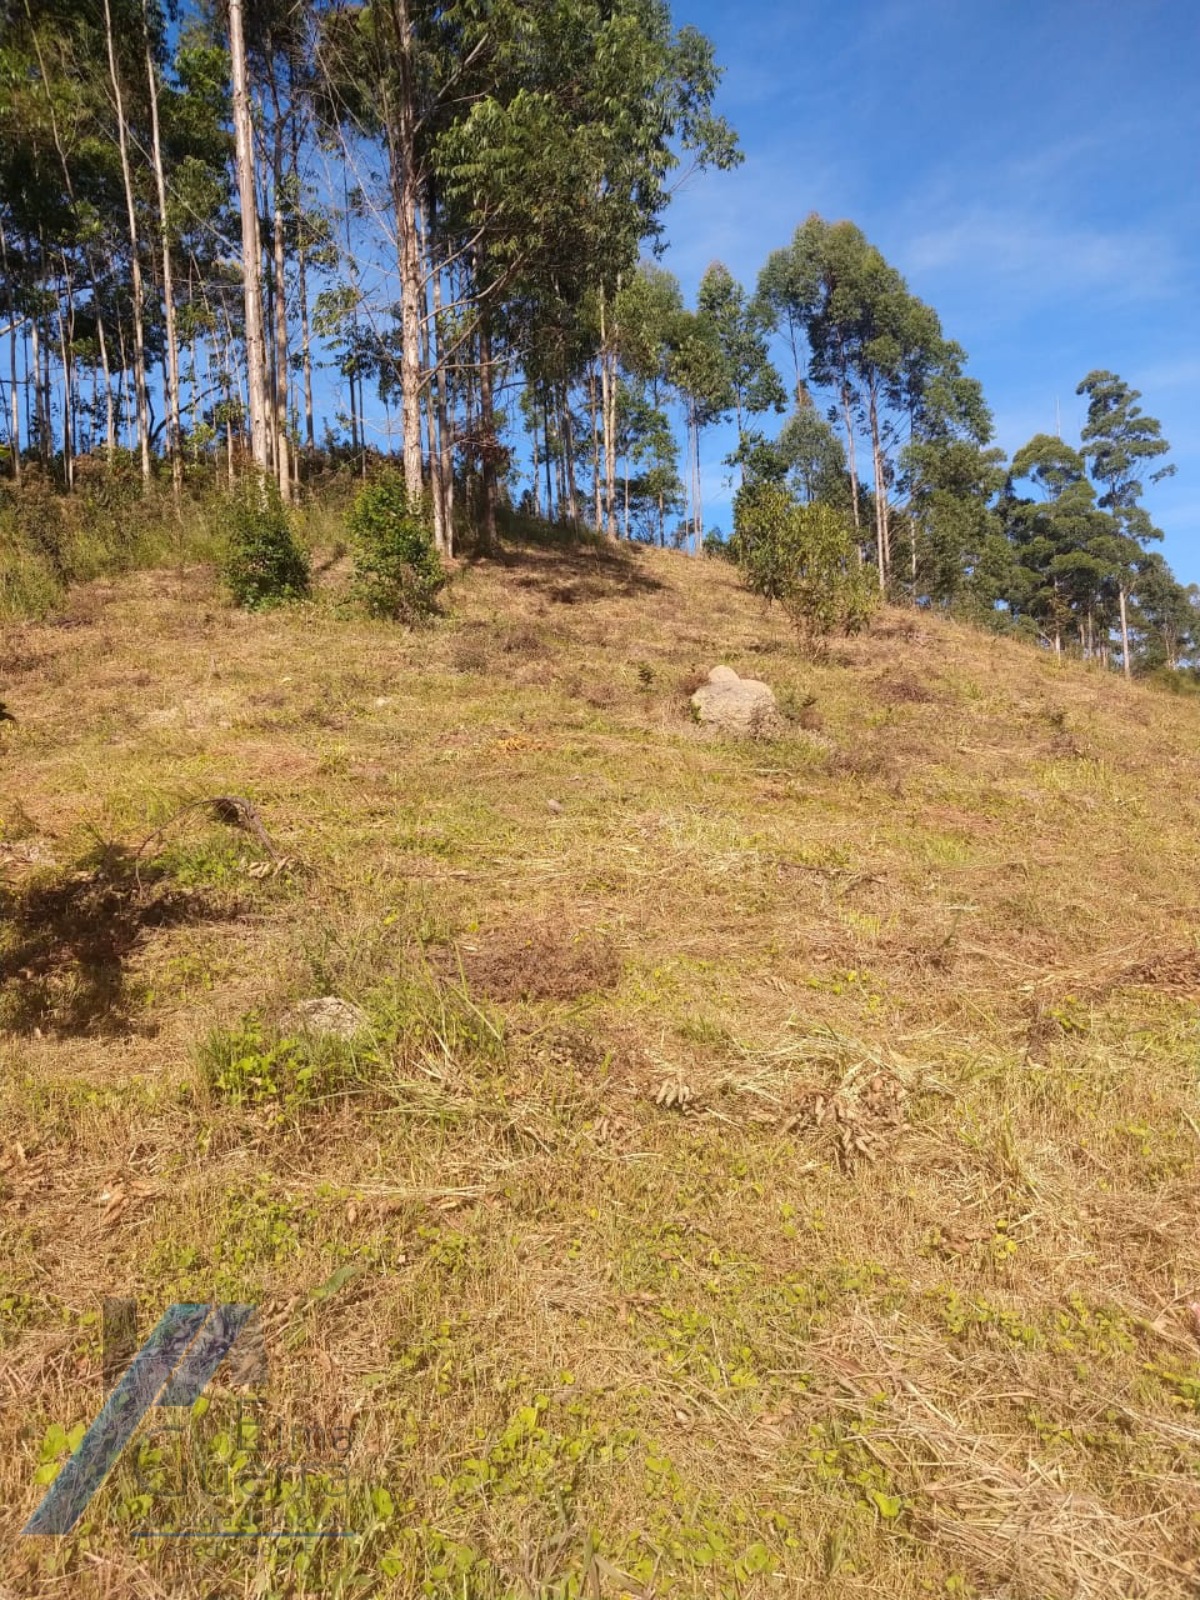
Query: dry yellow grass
(766, 1169)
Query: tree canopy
(313, 235)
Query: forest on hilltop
(298, 237)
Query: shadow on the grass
(570, 566)
(65, 942)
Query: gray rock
(327, 1018)
(744, 707)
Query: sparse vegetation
(764, 1171)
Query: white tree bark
(139, 332)
(174, 428)
(256, 359)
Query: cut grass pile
(762, 1169)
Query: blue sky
(1029, 165)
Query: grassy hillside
(763, 1169)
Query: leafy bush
(717, 547)
(804, 556)
(263, 565)
(1173, 680)
(397, 571)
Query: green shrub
(263, 565)
(804, 556)
(397, 572)
(1172, 680)
(717, 547)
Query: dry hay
(903, 688)
(538, 961)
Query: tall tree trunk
(610, 454)
(470, 425)
(256, 354)
(429, 362)
(697, 484)
(405, 194)
(609, 403)
(306, 349)
(40, 404)
(912, 551)
(851, 453)
(434, 452)
(569, 453)
(110, 421)
(135, 262)
(490, 448)
(270, 364)
(537, 493)
(283, 465)
(66, 334)
(881, 539)
(1125, 661)
(593, 407)
(549, 462)
(171, 373)
(445, 434)
(14, 437)
(695, 476)
(123, 385)
(302, 292)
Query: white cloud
(1031, 258)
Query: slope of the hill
(764, 1168)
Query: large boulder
(744, 707)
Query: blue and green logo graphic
(172, 1368)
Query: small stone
(327, 1018)
(555, 806)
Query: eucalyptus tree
(699, 372)
(255, 339)
(814, 288)
(560, 167)
(1066, 548)
(171, 371)
(529, 151)
(951, 471)
(740, 326)
(813, 457)
(72, 117)
(648, 309)
(647, 445)
(1167, 614)
(1120, 442)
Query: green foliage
(805, 557)
(397, 571)
(718, 547)
(246, 1066)
(262, 565)
(50, 540)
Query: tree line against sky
(229, 237)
